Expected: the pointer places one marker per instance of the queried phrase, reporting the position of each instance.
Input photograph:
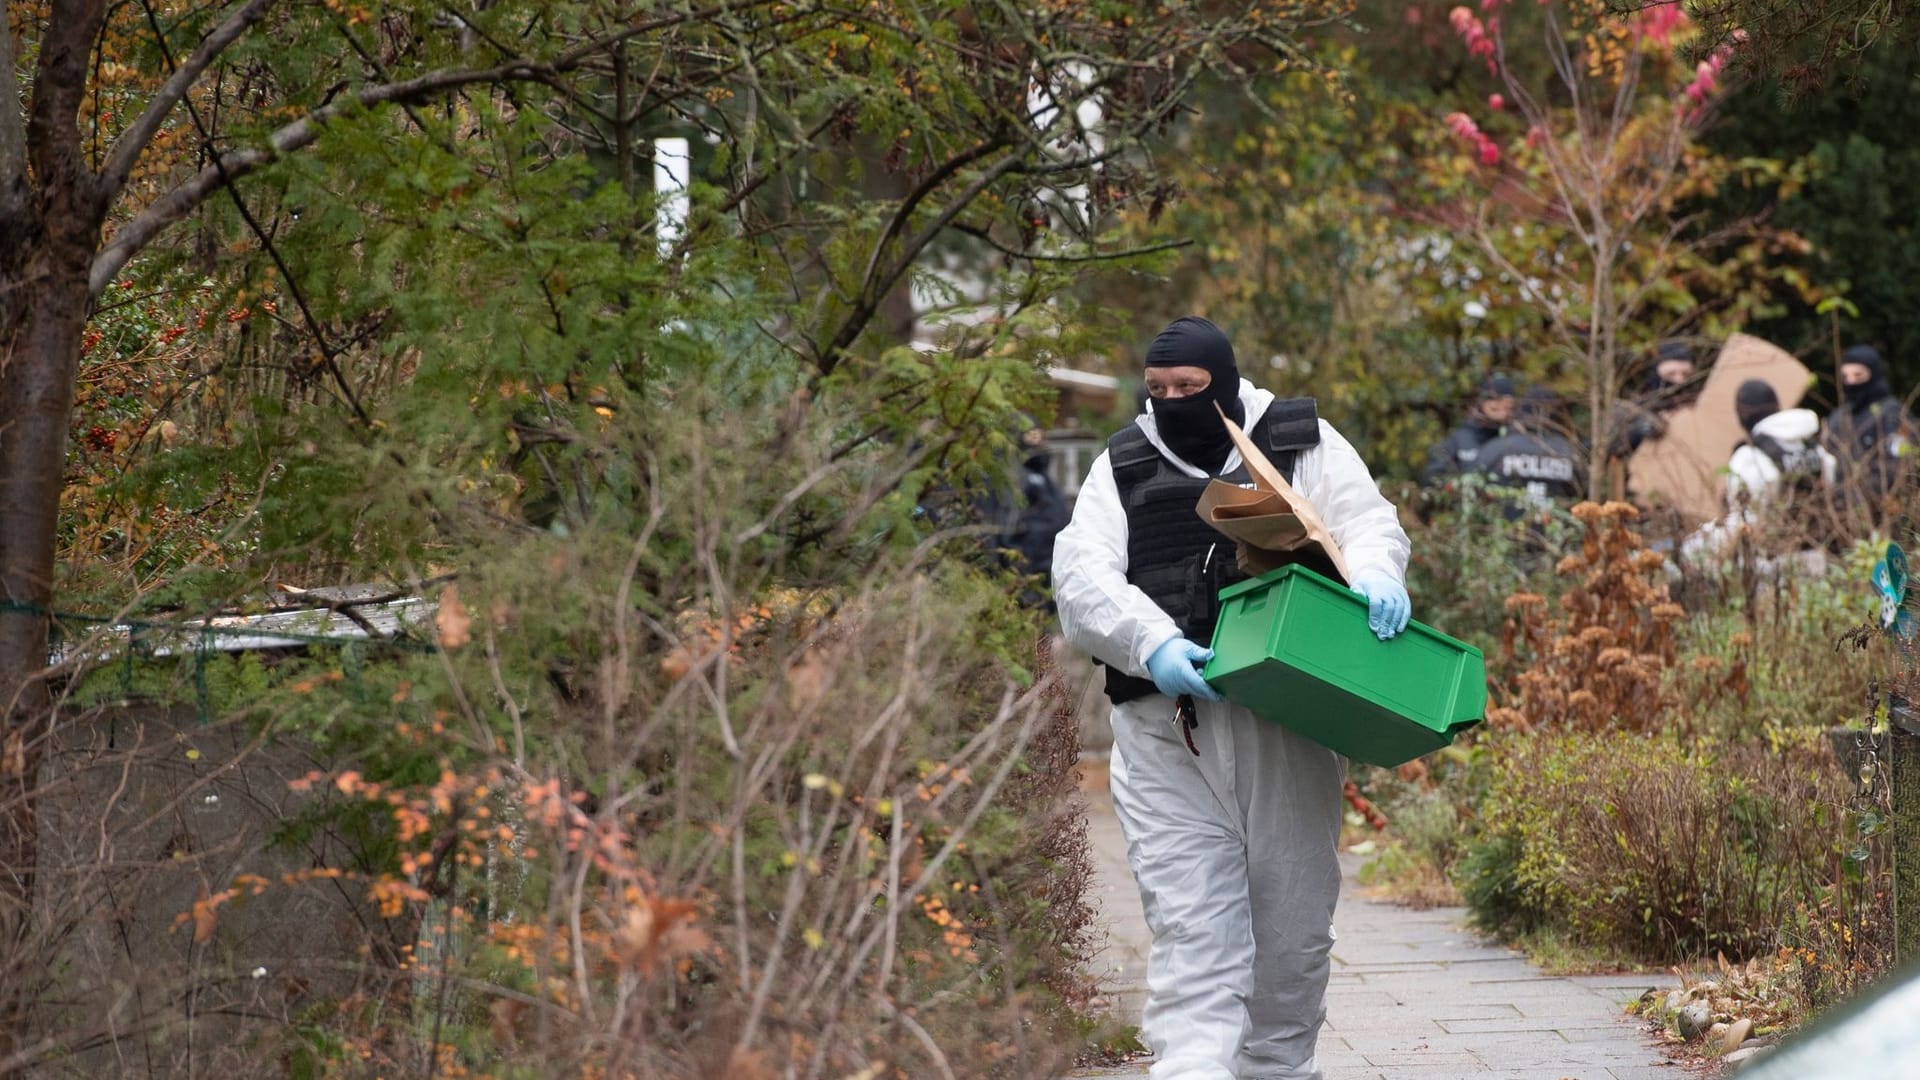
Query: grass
(1396, 874)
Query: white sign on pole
(672, 170)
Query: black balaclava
(1662, 395)
(1874, 389)
(1754, 402)
(1190, 426)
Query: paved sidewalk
(1414, 995)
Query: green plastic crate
(1294, 648)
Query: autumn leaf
(206, 917)
(454, 624)
(745, 1064)
(658, 930)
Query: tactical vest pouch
(1207, 574)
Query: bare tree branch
(136, 234)
(875, 286)
(133, 142)
(986, 237)
(178, 203)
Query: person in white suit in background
(1781, 461)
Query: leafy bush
(1488, 876)
(1765, 654)
(664, 799)
(1429, 823)
(1469, 555)
(1629, 842)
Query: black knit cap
(1867, 356)
(1191, 341)
(1672, 349)
(1754, 401)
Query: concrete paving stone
(1663, 1071)
(1397, 1037)
(1523, 1023)
(1345, 1060)
(1566, 1056)
(1582, 1073)
(1425, 1059)
(1486, 1010)
(1554, 1007)
(1364, 1072)
(1500, 1044)
(1358, 995)
(1483, 1073)
(1633, 982)
(1619, 1029)
(1507, 971)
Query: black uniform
(1461, 451)
(1026, 523)
(1536, 461)
(1539, 462)
(1867, 431)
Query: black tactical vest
(1173, 556)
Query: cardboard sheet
(1686, 467)
(1273, 524)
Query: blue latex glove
(1388, 608)
(1175, 667)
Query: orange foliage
(1601, 661)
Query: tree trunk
(38, 358)
(52, 216)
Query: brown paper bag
(1271, 523)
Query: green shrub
(1468, 558)
(1488, 877)
(1429, 824)
(1762, 657)
(1631, 843)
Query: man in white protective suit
(1231, 821)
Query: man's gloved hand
(1175, 667)
(1388, 608)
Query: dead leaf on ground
(206, 917)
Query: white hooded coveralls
(1234, 850)
(1753, 480)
